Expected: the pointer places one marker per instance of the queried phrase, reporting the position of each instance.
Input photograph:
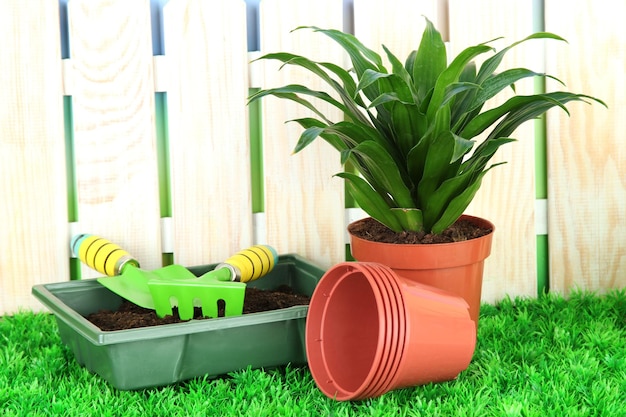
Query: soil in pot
(130, 316)
(371, 229)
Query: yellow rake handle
(101, 254)
(251, 263)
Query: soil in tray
(130, 316)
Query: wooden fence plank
(304, 204)
(114, 124)
(205, 45)
(507, 196)
(398, 24)
(33, 206)
(587, 159)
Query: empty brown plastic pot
(454, 267)
(370, 331)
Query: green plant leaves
(519, 109)
(370, 201)
(451, 75)
(453, 208)
(427, 64)
(412, 144)
(373, 160)
(362, 57)
(394, 86)
(346, 90)
(409, 126)
(291, 92)
(491, 64)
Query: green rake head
(206, 291)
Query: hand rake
(161, 288)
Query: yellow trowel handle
(102, 255)
(250, 264)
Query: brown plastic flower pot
(370, 331)
(454, 267)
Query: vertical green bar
(541, 164)
(70, 158)
(541, 192)
(349, 203)
(543, 268)
(163, 154)
(163, 160)
(256, 155)
(70, 169)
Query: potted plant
(408, 133)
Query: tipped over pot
(370, 331)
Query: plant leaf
(347, 92)
(385, 171)
(461, 147)
(400, 71)
(394, 85)
(429, 62)
(515, 118)
(491, 64)
(482, 155)
(439, 199)
(409, 126)
(370, 201)
(521, 109)
(458, 88)
(362, 57)
(416, 160)
(439, 154)
(313, 129)
(451, 75)
(291, 92)
(410, 218)
(496, 83)
(537, 102)
(457, 206)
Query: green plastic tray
(161, 355)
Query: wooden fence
(160, 153)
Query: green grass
(535, 357)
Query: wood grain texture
(304, 204)
(507, 195)
(114, 124)
(206, 52)
(397, 24)
(34, 248)
(587, 159)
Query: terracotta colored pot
(370, 331)
(454, 267)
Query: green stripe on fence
(541, 164)
(256, 156)
(70, 170)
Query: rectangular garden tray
(165, 354)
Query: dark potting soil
(371, 229)
(130, 316)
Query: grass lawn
(534, 357)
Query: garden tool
(159, 288)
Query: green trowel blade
(132, 283)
